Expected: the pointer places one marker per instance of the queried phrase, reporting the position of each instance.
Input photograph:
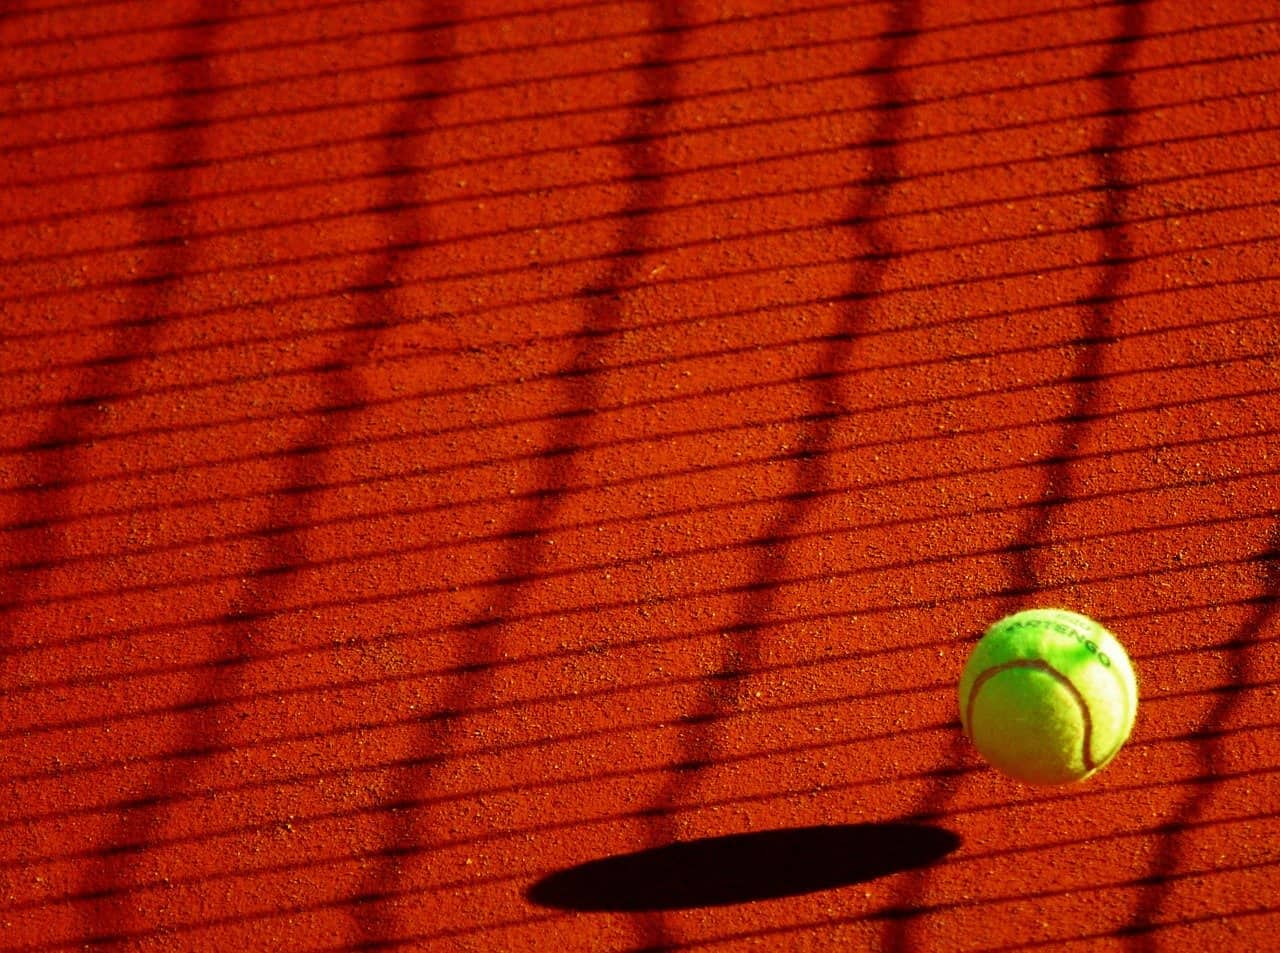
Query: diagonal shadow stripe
(343, 386)
(76, 421)
(1114, 257)
(190, 138)
(741, 648)
(434, 54)
(1245, 653)
(284, 530)
(483, 637)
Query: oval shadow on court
(738, 868)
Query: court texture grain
(519, 475)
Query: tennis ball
(1048, 696)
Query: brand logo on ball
(1063, 629)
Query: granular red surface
(512, 475)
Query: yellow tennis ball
(1048, 696)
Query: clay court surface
(526, 476)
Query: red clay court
(526, 476)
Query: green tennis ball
(1048, 696)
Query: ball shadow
(739, 868)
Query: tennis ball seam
(1040, 665)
